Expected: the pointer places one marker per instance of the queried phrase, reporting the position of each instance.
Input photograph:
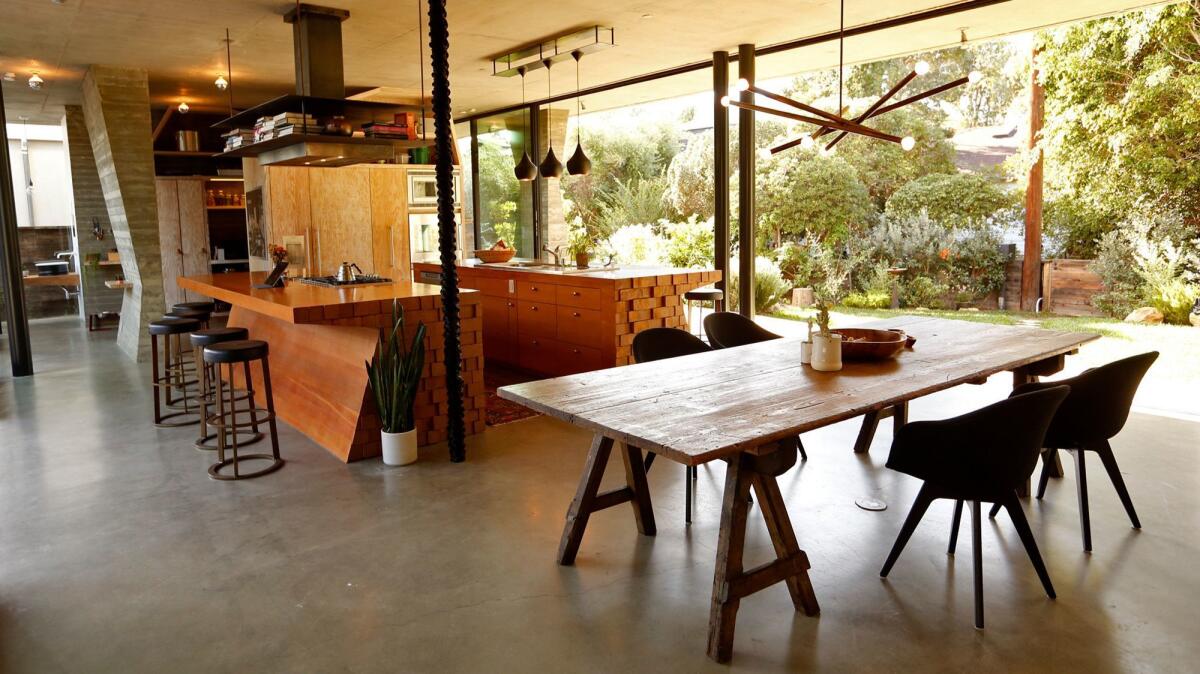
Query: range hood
(320, 92)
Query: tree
(802, 193)
(884, 167)
(690, 188)
(1122, 110)
(954, 200)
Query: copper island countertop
(596, 276)
(299, 302)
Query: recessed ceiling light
(35, 81)
(10, 77)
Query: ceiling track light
(550, 167)
(525, 170)
(827, 122)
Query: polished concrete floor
(117, 553)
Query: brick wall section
(89, 204)
(432, 408)
(41, 243)
(116, 109)
(653, 302)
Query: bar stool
(170, 374)
(230, 355)
(202, 315)
(701, 295)
(209, 306)
(207, 373)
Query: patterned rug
(499, 410)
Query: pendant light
(551, 167)
(578, 164)
(525, 170)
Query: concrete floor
(117, 553)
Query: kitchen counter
(555, 322)
(320, 339)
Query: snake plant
(395, 373)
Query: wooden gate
(1068, 286)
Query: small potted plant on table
(395, 374)
(831, 277)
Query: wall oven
(422, 189)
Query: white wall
(52, 198)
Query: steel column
(10, 260)
(475, 202)
(746, 180)
(721, 168)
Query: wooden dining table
(746, 406)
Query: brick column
(116, 109)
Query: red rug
(499, 410)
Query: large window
(505, 203)
(41, 187)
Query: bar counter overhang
(320, 339)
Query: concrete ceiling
(180, 43)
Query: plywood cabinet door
(389, 227)
(169, 240)
(193, 229)
(340, 199)
(288, 212)
(499, 329)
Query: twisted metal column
(439, 55)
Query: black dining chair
(983, 456)
(727, 329)
(659, 344)
(1094, 412)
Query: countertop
(606, 275)
(295, 301)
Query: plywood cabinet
(182, 234)
(340, 200)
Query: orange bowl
(496, 255)
(867, 344)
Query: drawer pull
(576, 351)
(533, 342)
(574, 293)
(533, 308)
(533, 288)
(575, 314)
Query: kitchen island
(557, 321)
(320, 338)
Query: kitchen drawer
(535, 291)
(496, 287)
(585, 298)
(537, 319)
(554, 357)
(576, 358)
(580, 326)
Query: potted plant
(395, 374)
(580, 245)
(831, 275)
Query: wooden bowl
(866, 344)
(496, 255)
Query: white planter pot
(827, 352)
(399, 449)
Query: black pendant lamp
(551, 167)
(525, 170)
(578, 164)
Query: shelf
(181, 153)
(118, 284)
(217, 263)
(226, 208)
(310, 105)
(256, 149)
(109, 263)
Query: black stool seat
(218, 335)
(202, 306)
(198, 314)
(174, 325)
(704, 295)
(238, 351)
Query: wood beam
(162, 123)
(1032, 265)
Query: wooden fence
(1068, 287)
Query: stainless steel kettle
(348, 271)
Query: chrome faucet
(554, 253)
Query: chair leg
(687, 482)
(995, 509)
(958, 506)
(1114, 474)
(1085, 518)
(977, 551)
(920, 505)
(1022, 526)
(1046, 470)
(800, 446)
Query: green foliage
(637, 244)
(1121, 109)
(499, 192)
(924, 292)
(690, 187)
(395, 373)
(689, 244)
(631, 202)
(831, 280)
(1072, 227)
(769, 286)
(954, 200)
(968, 261)
(868, 300)
(1151, 260)
(885, 167)
(796, 262)
(804, 193)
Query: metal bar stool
(205, 398)
(185, 354)
(169, 374)
(231, 355)
(701, 295)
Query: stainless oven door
(422, 189)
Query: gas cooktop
(333, 282)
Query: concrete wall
(116, 109)
(89, 204)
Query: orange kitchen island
(320, 338)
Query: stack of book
(237, 138)
(404, 126)
(284, 124)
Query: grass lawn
(1172, 385)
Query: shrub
(924, 292)
(802, 193)
(1151, 259)
(959, 200)
(872, 299)
(688, 243)
(637, 244)
(769, 286)
(796, 263)
(1073, 228)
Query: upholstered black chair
(981, 456)
(1094, 412)
(659, 344)
(726, 329)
